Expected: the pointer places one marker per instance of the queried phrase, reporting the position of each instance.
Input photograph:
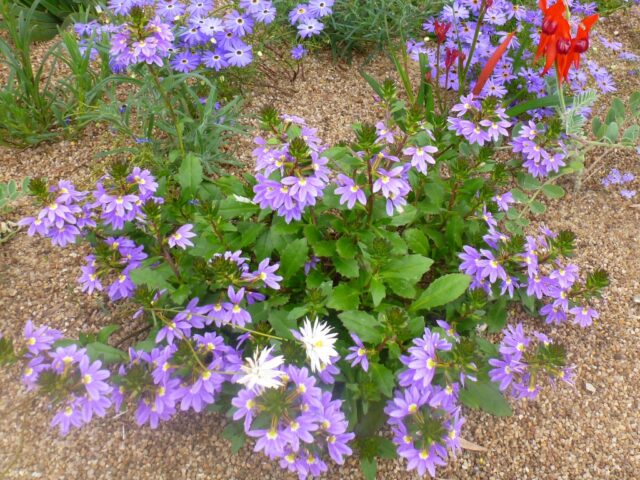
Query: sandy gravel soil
(590, 432)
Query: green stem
(172, 112)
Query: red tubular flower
(555, 38)
(441, 30)
(451, 55)
(579, 45)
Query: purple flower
(358, 355)
(349, 191)
(92, 377)
(238, 55)
(185, 62)
(235, 314)
(39, 339)
(266, 273)
(420, 157)
(310, 27)
(423, 359)
(181, 237)
(298, 52)
(583, 316)
(503, 201)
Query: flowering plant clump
(185, 63)
(340, 299)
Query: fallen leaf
(467, 445)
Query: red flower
(441, 30)
(556, 43)
(555, 38)
(579, 45)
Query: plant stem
(172, 112)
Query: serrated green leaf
(348, 268)
(485, 396)
(346, 247)
(344, 297)
(442, 291)
(105, 353)
(154, 278)
(409, 267)
(362, 324)
(230, 208)
(417, 241)
(293, 258)
(383, 378)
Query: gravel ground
(590, 432)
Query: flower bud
(581, 45)
(549, 26)
(563, 45)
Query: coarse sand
(590, 432)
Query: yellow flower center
(86, 379)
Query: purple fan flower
(349, 192)
(358, 355)
(39, 339)
(181, 237)
(420, 157)
(583, 316)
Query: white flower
(318, 341)
(261, 371)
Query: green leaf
(281, 323)
(369, 467)
(154, 278)
(417, 241)
(190, 174)
(344, 297)
(383, 378)
(528, 182)
(485, 396)
(346, 247)
(409, 267)
(234, 433)
(496, 316)
(612, 132)
(293, 258)
(553, 191)
(348, 268)
(106, 353)
(377, 290)
(362, 324)
(441, 291)
(537, 207)
(230, 208)
(106, 332)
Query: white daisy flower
(261, 371)
(318, 340)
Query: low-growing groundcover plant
(344, 298)
(184, 64)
